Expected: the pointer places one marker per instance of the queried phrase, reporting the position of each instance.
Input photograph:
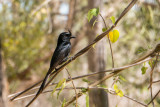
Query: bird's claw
(71, 58)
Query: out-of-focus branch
(87, 75)
(151, 78)
(73, 86)
(153, 98)
(80, 88)
(72, 5)
(136, 62)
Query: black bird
(60, 54)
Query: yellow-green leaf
(94, 46)
(115, 87)
(59, 85)
(113, 19)
(94, 23)
(64, 102)
(113, 36)
(122, 78)
(63, 85)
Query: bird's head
(65, 36)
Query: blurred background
(28, 36)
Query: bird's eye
(68, 34)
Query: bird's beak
(72, 37)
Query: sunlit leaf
(87, 100)
(113, 19)
(92, 12)
(113, 36)
(63, 85)
(94, 46)
(118, 91)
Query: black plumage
(60, 54)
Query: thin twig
(39, 7)
(68, 88)
(100, 81)
(151, 73)
(153, 98)
(78, 77)
(135, 100)
(151, 95)
(151, 79)
(109, 42)
(93, 74)
(155, 81)
(35, 97)
(73, 86)
(20, 93)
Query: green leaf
(84, 90)
(104, 29)
(141, 50)
(118, 91)
(64, 102)
(150, 63)
(113, 19)
(63, 85)
(85, 80)
(87, 100)
(59, 84)
(92, 12)
(143, 69)
(101, 85)
(122, 78)
(113, 36)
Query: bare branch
(73, 85)
(135, 101)
(109, 42)
(153, 98)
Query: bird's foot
(71, 58)
(56, 69)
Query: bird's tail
(44, 82)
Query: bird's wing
(60, 53)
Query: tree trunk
(96, 61)
(3, 83)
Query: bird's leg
(71, 58)
(56, 69)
